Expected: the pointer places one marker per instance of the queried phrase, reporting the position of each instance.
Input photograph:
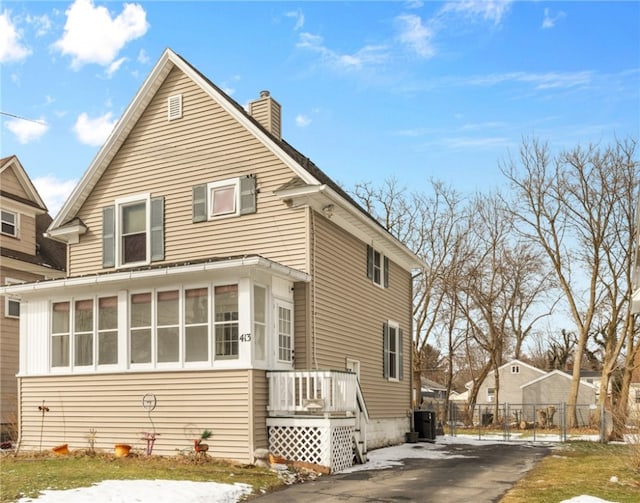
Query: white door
(284, 332)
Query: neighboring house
(432, 391)
(218, 280)
(526, 390)
(25, 256)
(511, 377)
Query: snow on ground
(170, 491)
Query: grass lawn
(582, 468)
(28, 474)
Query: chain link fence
(530, 422)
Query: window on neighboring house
(9, 223)
(285, 334)
(224, 198)
(515, 369)
(107, 330)
(60, 325)
(226, 321)
(259, 322)
(377, 267)
(133, 231)
(11, 305)
(491, 394)
(392, 351)
(196, 319)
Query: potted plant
(122, 450)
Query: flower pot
(412, 437)
(122, 450)
(61, 450)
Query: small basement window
(174, 107)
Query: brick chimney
(266, 111)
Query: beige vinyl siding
(11, 184)
(350, 313)
(187, 403)
(167, 158)
(258, 409)
(9, 354)
(26, 240)
(302, 346)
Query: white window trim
(15, 223)
(276, 331)
(515, 369)
(211, 186)
(8, 299)
(119, 204)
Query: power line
(42, 123)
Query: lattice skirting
(325, 442)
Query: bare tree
(573, 207)
(428, 225)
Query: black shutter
(386, 272)
(199, 203)
(385, 350)
(370, 262)
(108, 237)
(247, 194)
(157, 228)
(400, 355)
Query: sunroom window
(83, 333)
(226, 321)
(196, 320)
(60, 334)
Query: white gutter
(109, 278)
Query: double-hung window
(60, 332)
(9, 223)
(377, 267)
(11, 306)
(226, 321)
(196, 324)
(168, 326)
(259, 322)
(108, 331)
(83, 333)
(133, 231)
(285, 334)
(392, 351)
(140, 331)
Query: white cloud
(368, 55)
(302, 120)
(113, 67)
(489, 10)
(550, 21)
(42, 24)
(299, 18)
(94, 132)
(143, 57)
(415, 35)
(11, 47)
(91, 35)
(548, 80)
(27, 130)
(54, 192)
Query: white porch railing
(321, 392)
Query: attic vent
(174, 108)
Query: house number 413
(245, 337)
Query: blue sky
(369, 90)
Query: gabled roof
(515, 361)
(554, 373)
(49, 253)
(305, 172)
(12, 162)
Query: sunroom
(219, 314)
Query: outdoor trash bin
(425, 424)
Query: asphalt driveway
(463, 473)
